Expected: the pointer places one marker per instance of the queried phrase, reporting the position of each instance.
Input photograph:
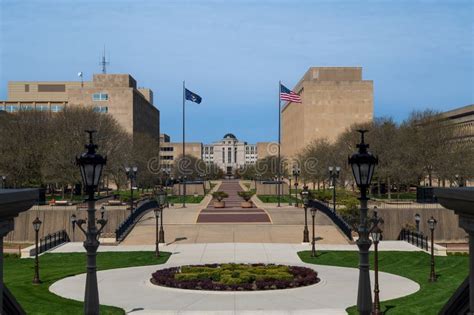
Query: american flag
(287, 95)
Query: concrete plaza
(130, 288)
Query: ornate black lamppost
(313, 239)
(161, 201)
(376, 233)
(157, 240)
(185, 178)
(432, 224)
(289, 191)
(417, 222)
(305, 197)
(36, 226)
(296, 174)
(132, 176)
(4, 181)
(91, 165)
(363, 165)
(73, 223)
(334, 175)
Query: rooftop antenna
(104, 63)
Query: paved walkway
(233, 212)
(130, 288)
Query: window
(27, 87)
(56, 108)
(167, 157)
(100, 97)
(27, 107)
(223, 155)
(229, 155)
(42, 108)
(51, 88)
(11, 108)
(100, 109)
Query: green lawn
(431, 297)
(274, 199)
(36, 299)
(189, 199)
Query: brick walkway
(233, 212)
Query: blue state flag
(193, 97)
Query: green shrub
(246, 195)
(219, 195)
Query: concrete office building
(114, 94)
(462, 119)
(229, 153)
(333, 98)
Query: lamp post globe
(91, 165)
(161, 200)
(363, 165)
(305, 196)
(36, 226)
(73, 223)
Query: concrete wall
(191, 189)
(55, 220)
(271, 189)
(446, 230)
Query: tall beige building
(114, 94)
(333, 98)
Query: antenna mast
(104, 63)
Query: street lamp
(305, 197)
(91, 165)
(376, 233)
(36, 226)
(289, 190)
(334, 175)
(4, 181)
(73, 223)
(157, 241)
(132, 176)
(184, 190)
(432, 224)
(363, 165)
(417, 222)
(296, 174)
(313, 240)
(161, 201)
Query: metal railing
(127, 225)
(337, 219)
(52, 240)
(415, 238)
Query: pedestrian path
(233, 212)
(130, 288)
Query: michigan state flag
(193, 97)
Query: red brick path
(233, 212)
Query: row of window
(40, 108)
(166, 149)
(167, 157)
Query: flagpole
(279, 143)
(184, 145)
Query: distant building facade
(463, 120)
(114, 94)
(229, 153)
(333, 99)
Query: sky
(420, 54)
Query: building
(114, 94)
(333, 98)
(229, 153)
(463, 120)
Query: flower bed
(235, 277)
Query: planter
(246, 204)
(219, 204)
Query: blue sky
(232, 53)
